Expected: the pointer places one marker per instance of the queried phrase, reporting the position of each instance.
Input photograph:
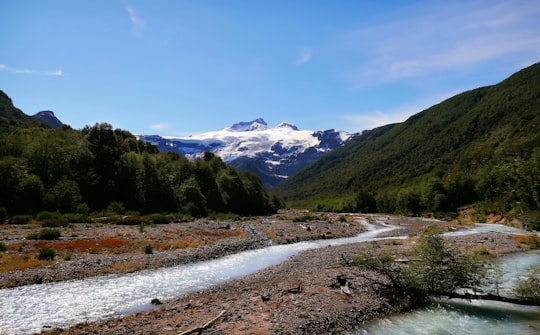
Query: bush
(116, 207)
(47, 254)
(21, 219)
(132, 221)
(32, 236)
(76, 218)
(159, 219)
(45, 234)
(49, 234)
(148, 249)
(3, 247)
(52, 219)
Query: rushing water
(458, 316)
(28, 309)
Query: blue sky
(184, 67)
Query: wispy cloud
(376, 118)
(442, 39)
(57, 73)
(136, 21)
(160, 126)
(305, 55)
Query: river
(29, 309)
(458, 316)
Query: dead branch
(203, 327)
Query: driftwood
(487, 296)
(203, 327)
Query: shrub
(32, 236)
(76, 218)
(159, 219)
(52, 223)
(21, 219)
(303, 218)
(49, 234)
(131, 221)
(52, 219)
(46, 254)
(3, 247)
(116, 207)
(148, 249)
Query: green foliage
(131, 220)
(148, 249)
(478, 146)
(49, 234)
(21, 219)
(303, 218)
(528, 288)
(116, 207)
(47, 254)
(432, 268)
(100, 167)
(159, 219)
(3, 247)
(45, 234)
(52, 219)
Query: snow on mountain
(272, 153)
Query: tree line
(80, 171)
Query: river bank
(299, 296)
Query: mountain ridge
(480, 146)
(273, 153)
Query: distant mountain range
(273, 153)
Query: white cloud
(57, 73)
(160, 126)
(443, 38)
(136, 21)
(305, 55)
(376, 118)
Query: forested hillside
(98, 167)
(480, 147)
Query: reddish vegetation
(112, 245)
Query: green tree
(365, 202)
(193, 201)
(528, 288)
(432, 268)
(64, 196)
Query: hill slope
(481, 145)
(12, 113)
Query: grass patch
(531, 241)
(14, 262)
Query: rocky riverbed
(315, 292)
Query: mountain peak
(258, 124)
(287, 125)
(48, 118)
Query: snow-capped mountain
(272, 153)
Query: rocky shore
(315, 292)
